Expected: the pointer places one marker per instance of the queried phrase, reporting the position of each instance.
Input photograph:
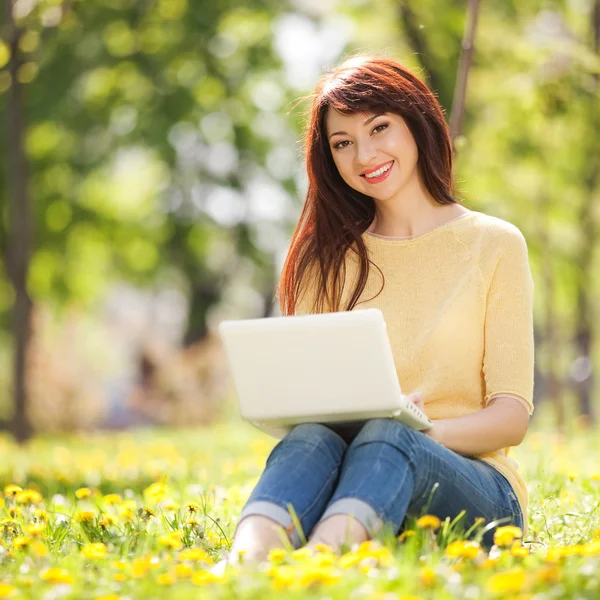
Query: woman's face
(374, 154)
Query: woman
(381, 227)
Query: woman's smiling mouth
(379, 174)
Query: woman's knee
(308, 438)
(387, 431)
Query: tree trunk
(464, 64)
(584, 378)
(19, 234)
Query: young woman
(381, 227)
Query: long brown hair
(334, 215)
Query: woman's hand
(417, 399)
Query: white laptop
(332, 368)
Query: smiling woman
(456, 292)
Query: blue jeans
(386, 473)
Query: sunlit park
(153, 176)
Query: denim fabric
(387, 472)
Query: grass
(146, 514)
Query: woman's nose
(365, 153)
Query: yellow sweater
(458, 303)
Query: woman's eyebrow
(365, 123)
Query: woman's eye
(344, 143)
(339, 146)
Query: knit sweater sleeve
(509, 345)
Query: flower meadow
(148, 514)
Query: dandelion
(509, 581)
(112, 499)
(29, 497)
(406, 534)
(21, 542)
(172, 540)
(169, 504)
(192, 508)
(36, 529)
(183, 571)
(504, 536)
(195, 555)
(85, 516)
(276, 555)
(463, 549)
(38, 549)
(56, 576)
(6, 590)
(519, 550)
(12, 490)
(109, 597)
(82, 493)
(427, 577)
(156, 492)
(204, 577)
(429, 522)
(165, 579)
(94, 551)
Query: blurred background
(152, 174)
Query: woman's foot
(254, 538)
(337, 530)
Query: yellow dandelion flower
(429, 522)
(94, 551)
(14, 512)
(427, 577)
(349, 560)
(36, 528)
(411, 598)
(193, 522)
(148, 512)
(82, 493)
(504, 536)
(195, 554)
(169, 504)
(127, 509)
(406, 534)
(172, 540)
(56, 576)
(323, 548)
(85, 516)
(191, 507)
(303, 553)
(107, 520)
(112, 499)
(40, 514)
(519, 550)
(38, 549)
(29, 497)
(549, 574)
(507, 582)
(157, 491)
(6, 590)
(12, 490)
(276, 554)
(109, 597)
(592, 548)
(184, 571)
(119, 577)
(204, 577)
(318, 576)
(463, 549)
(21, 542)
(165, 579)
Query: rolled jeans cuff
(364, 513)
(276, 513)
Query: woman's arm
(501, 424)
